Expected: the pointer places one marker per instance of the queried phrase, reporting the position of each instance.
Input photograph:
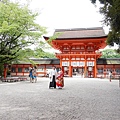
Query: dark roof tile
(80, 33)
(108, 61)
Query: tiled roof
(80, 33)
(100, 61)
(108, 61)
(46, 61)
(41, 61)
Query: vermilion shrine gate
(79, 48)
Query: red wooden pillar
(5, 72)
(95, 68)
(85, 71)
(45, 70)
(60, 62)
(23, 70)
(70, 67)
(70, 71)
(62, 68)
(16, 70)
(114, 71)
(104, 71)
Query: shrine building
(79, 48)
(79, 55)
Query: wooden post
(70, 71)
(45, 71)
(114, 71)
(23, 70)
(95, 71)
(104, 71)
(70, 68)
(119, 81)
(63, 69)
(60, 62)
(16, 69)
(5, 72)
(85, 71)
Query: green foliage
(39, 53)
(48, 55)
(24, 55)
(17, 30)
(111, 12)
(53, 38)
(110, 53)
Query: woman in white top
(52, 76)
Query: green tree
(49, 55)
(17, 30)
(111, 12)
(39, 53)
(110, 53)
(36, 53)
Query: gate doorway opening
(78, 71)
(90, 71)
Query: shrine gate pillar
(85, 71)
(70, 68)
(70, 71)
(62, 67)
(61, 62)
(95, 69)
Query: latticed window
(100, 70)
(19, 69)
(117, 70)
(13, 69)
(40, 68)
(26, 69)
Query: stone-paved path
(80, 99)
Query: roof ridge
(76, 29)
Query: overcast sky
(59, 14)
(63, 14)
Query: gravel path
(80, 99)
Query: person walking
(110, 75)
(52, 76)
(34, 72)
(30, 74)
